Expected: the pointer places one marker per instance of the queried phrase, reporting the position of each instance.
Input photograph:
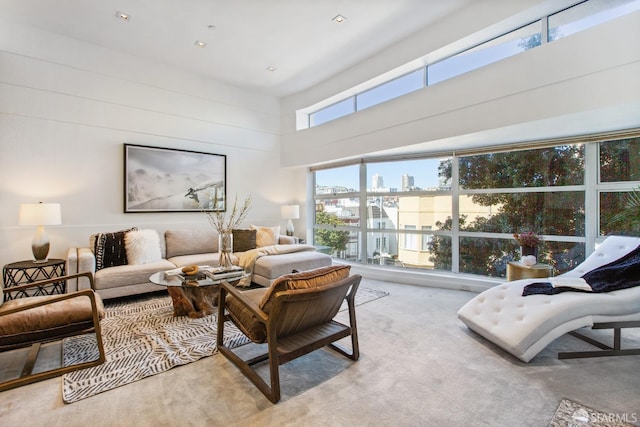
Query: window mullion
(591, 196)
(363, 214)
(455, 215)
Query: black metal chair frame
(28, 376)
(605, 350)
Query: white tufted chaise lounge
(524, 326)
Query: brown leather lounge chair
(35, 320)
(294, 316)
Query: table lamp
(40, 214)
(290, 212)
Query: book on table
(219, 273)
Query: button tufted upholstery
(524, 326)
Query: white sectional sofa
(178, 248)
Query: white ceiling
(297, 37)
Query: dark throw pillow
(243, 240)
(110, 249)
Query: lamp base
(290, 228)
(40, 253)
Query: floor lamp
(40, 214)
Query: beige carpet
(419, 366)
(143, 338)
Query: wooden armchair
(35, 320)
(294, 317)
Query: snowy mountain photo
(160, 179)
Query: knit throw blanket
(622, 273)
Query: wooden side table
(22, 272)
(517, 271)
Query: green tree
(627, 221)
(620, 162)
(336, 239)
(551, 213)
(535, 40)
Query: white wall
(66, 109)
(582, 84)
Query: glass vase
(529, 250)
(225, 246)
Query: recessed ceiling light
(123, 16)
(200, 43)
(339, 19)
(270, 68)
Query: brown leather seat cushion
(244, 319)
(46, 321)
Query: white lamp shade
(290, 211)
(40, 214)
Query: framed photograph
(169, 180)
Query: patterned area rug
(142, 338)
(572, 414)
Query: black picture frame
(172, 180)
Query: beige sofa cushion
(124, 275)
(189, 242)
(275, 266)
(210, 259)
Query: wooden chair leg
(27, 377)
(274, 374)
(31, 360)
(271, 392)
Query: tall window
(422, 226)
(588, 14)
(511, 192)
(618, 186)
(332, 112)
(494, 50)
(391, 89)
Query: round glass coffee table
(194, 296)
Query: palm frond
(631, 213)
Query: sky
(424, 171)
